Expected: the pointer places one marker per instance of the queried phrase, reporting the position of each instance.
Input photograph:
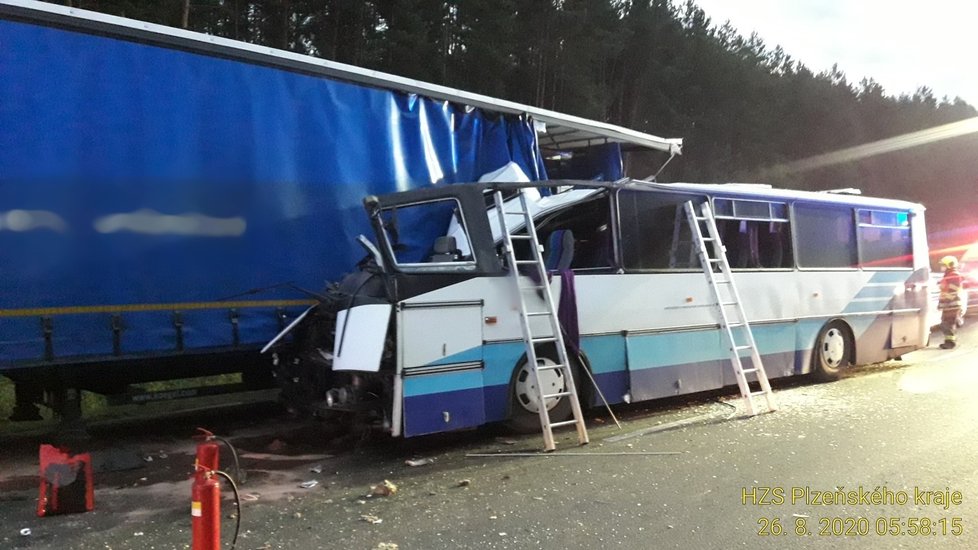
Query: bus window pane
(756, 244)
(752, 209)
(826, 236)
(654, 231)
(723, 207)
(885, 246)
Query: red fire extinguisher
(205, 496)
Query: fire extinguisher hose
(237, 505)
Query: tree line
(744, 108)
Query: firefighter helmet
(949, 262)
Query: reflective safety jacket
(950, 290)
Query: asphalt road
(830, 469)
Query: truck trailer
(170, 200)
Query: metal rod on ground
(601, 395)
(660, 427)
(649, 453)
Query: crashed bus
(425, 335)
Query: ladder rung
(558, 394)
(526, 262)
(551, 367)
(713, 260)
(562, 423)
(756, 393)
(544, 340)
(728, 303)
(518, 213)
(748, 371)
(521, 237)
(532, 287)
(741, 348)
(537, 313)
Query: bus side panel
(673, 363)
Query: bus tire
(834, 351)
(523, 409)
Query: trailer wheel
(834, 351)
(524, 416)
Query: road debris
(25, 532)
(317, 469)
(464, 483)
(384, 489)
(419, 461)
(371, 519)
(309, 484)
(386, 546)
(250, 496)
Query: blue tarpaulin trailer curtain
(134, 176)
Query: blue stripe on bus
(694, 359)
(425, 384)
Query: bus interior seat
(560, 250)
(445, 250)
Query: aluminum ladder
(733, 320)
(535, 340)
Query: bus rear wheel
(524, 415)
(833, 352)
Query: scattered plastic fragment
(371, 519)
(386, 546)
(419, 461)
(137, 534)
(25, 532)
(317, 469)
(250, 496)
(309, 484)
(464, 483)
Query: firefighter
(950, 301)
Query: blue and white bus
(425, 337)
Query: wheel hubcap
(527, 395)
(833, 347)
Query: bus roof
(763, 191)
(733, 190)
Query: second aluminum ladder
(536, 340)
(733, 320)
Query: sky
(902, 45)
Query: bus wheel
(524, 413)
(833, 352)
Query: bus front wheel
(833, 352)
(524, 415)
